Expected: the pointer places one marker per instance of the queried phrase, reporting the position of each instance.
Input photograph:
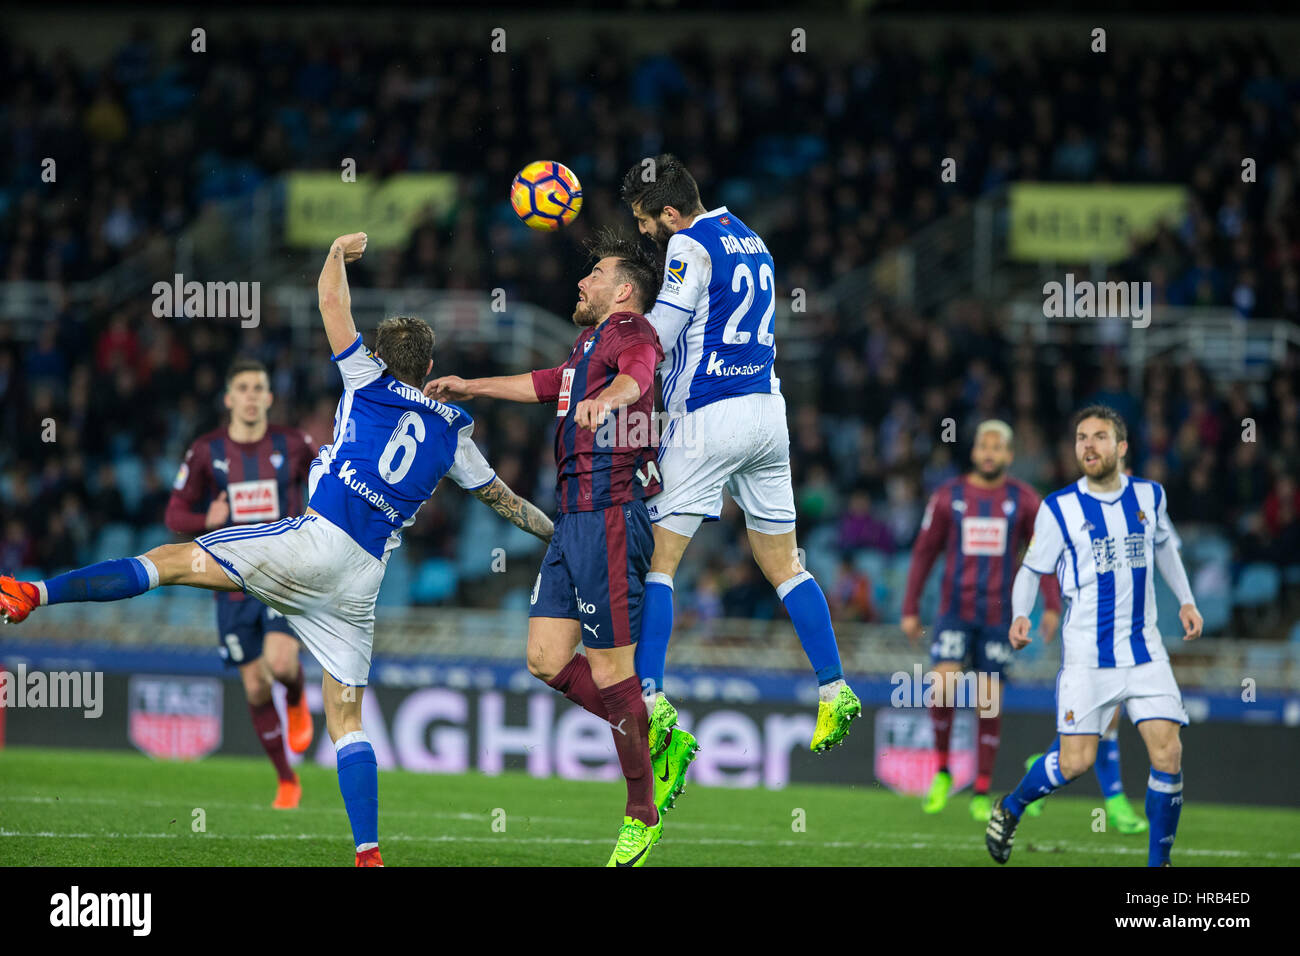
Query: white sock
(828, 692)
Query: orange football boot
(17, 599)
(369, 857)
(287, 794)
(300, 726)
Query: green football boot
(634, 842)
(662, 719)
(981, 807)
(669, 768)
(937, 798)
(1034, 809)
(1121, 816)
(833, 719)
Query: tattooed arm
(518, 511)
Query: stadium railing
(1228, 346)
(175, 618)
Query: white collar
(721, 210)
(1106, 497)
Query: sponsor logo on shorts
(583, 606)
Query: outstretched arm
(332, 292)
(512, 388)
(520, 512)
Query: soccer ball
(546, 195)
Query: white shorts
(1087, 697)
(314, 574)
(741, 444)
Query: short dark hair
(405, 344)
(670, 185)
(635, 263)
(1105, 413)
(241, 365)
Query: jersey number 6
(406, 437)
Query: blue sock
(106, 581)
(656, 629)
(1164, 804)
(1043, 778)
(1107, 766)
(811, 616)
(359, 783)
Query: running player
(1102, 536)
(726, 429)
(983, 520)
(592, 578)
(1119, 811)
(323, 569)
(245, 472)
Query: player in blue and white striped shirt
(1103, 536)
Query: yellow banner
(321, 207)
(1085, 223)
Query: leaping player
(247, 472)
(726, 429)
(1102, 536)
(323, 569)
(592, 579)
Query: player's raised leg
(357, 767)
(1164, 801)
(116, 580)
(552, 658)
(777, 554)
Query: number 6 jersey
(391, 448)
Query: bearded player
(1103, 537)
(726, 429)
(983, 520)
(592, 579)
(323, 569)
(247, 472)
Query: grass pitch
(78, 808)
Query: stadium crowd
(835, 155)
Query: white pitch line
(579, 841)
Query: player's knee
(257, 684)
(540, 665)
(172, 562)
(1075, 765)
(1167, 755)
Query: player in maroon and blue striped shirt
(983, 520)
(592, 580)
(249, 472)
